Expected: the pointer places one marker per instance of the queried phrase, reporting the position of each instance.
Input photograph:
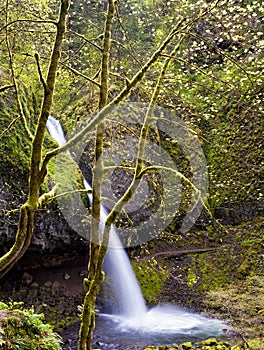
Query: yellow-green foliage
(245, 302)
(151, 277)
(229, 263)
(213, 344)
(22, 329)
(15, 147)
(192, 278)
(64, 170)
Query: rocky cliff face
(52, 233)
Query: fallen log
(178, 252)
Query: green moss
(151, 277)
(242, 304)
(25, 330)
(15, 146)
(256, 344)
(214, 269)
(192, 278)
(238, 259)
(213, 344)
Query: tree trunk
(37, 175)
(95, 273)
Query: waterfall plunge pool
(163, 324)
(139, 327)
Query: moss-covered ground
(225, 282)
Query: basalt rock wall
(52, 234)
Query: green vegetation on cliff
(24, 329)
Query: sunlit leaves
(214, 83)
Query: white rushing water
(131, 304)
(132, 313)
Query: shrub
(23, 329)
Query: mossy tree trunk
(37, 172)
(95, 273)
(99, 240)
(38, 166)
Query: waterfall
(130, 301)
(133, 321)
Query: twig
(20, 108)
(26, 20)
(119, 98)
(73, 70)
(10, 126)
(5, 87)
(89, 41)
(40, 73)
(48, 197)
(71, 192)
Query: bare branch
(10, 126)
(127, 89)
(122, 202)
(20, 108)
(68, 193)
(73, 70)
(125, 92)
(128, 51)
(27, 211)
(179, 252)
(97, 74)
(89, 41)
(95, 264)
(6, 87)
(48, 93)
(47, 198)
(26, 21)
(40, 72)
(132, 49)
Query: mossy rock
(151, 277)
(187, 346)
(209, 341)
(25, 330)
(207, 344)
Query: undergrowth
(23, 329)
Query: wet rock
(27, 278)
(32, 295)
(83, 273)
(209, 342)
(52, 262)
(66, 276)
(34, 285)
(98, 343)
(48, 284)
(55, 287)
(51, 231)
(187, 345)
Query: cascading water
(130, 300)
(133, 321)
